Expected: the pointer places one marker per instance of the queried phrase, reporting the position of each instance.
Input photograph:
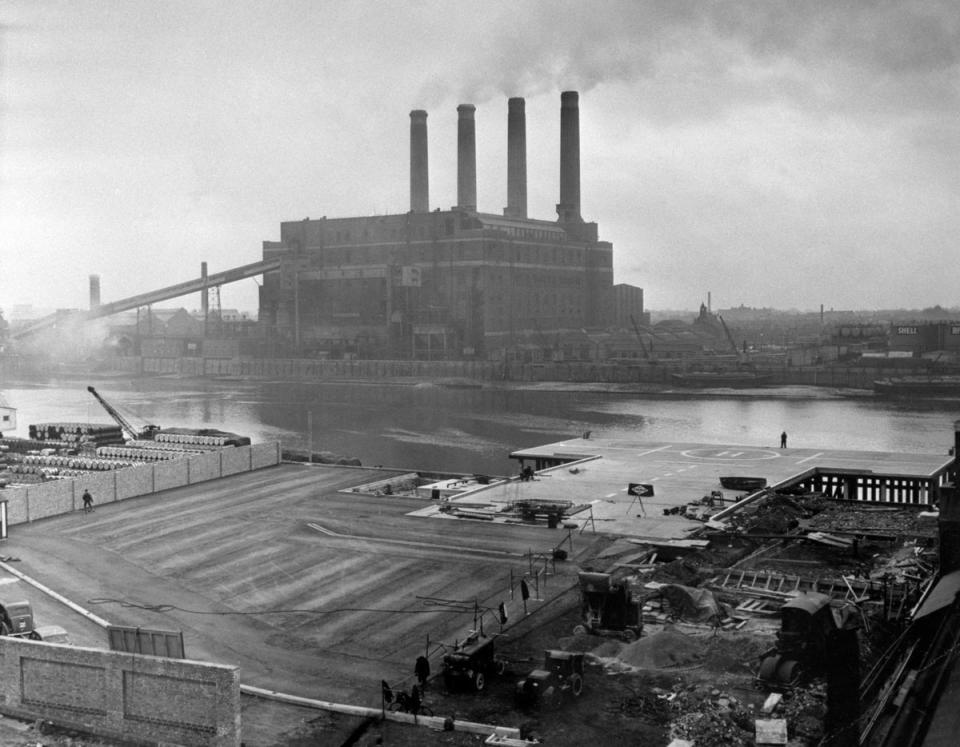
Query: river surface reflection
(431, 427)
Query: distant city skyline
(771, 154)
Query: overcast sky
(783, 154)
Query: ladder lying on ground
(779, 586)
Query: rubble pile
(776, 513)
(712, 717)
(892, 522)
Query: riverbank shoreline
(774, 391)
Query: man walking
(87, 502)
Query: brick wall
(204, 467)
(39, 501)
(126, 696)
(235, 460)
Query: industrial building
(447, 284)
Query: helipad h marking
(728, 454)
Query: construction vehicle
(608, 607)
(150, 431)
(806, 624)
(561, 677)
(136, 434)
(16, 619)
(470, 663)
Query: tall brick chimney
(568, 209)
(419, 176)
(94, 291)
(466, 157)
(516, 159)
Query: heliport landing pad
(680, 473)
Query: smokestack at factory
(466, 157)
(568, 208)
(94, 291)
(516, 159)
(419, 177)
(205, 292)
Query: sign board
(168, 643)
(640, 490)
(771, 731)
(410, 277)
(3, 520)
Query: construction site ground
(321, 593)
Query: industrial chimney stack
(419, 177)
(568, 209)
(94, 291)
(466, 157)
(516, 159)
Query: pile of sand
(667, 648)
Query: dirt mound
(608, 649)
(667, 648)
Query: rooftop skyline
(771, 154)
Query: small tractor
(561, 676)
(608, 607)
(16, 619)
(806, 625)
(470, 663)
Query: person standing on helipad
(783, 440)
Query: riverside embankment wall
(129, 696)
(33, 502)
(859, 375)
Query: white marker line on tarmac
(385, 541)
(611, 495)
(654, 451)
(810, 457)
(9, 580)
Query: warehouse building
(447, 284)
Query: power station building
(447, 284)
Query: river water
(431, 427)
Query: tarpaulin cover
(943, 594)
(689, 603)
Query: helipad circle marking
(728, 454)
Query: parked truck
(16, 619)
(471, 663)
(609, 607)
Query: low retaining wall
(33, 502)
(127, 696)
(858, 374)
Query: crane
(148, 431)
(636, 330)
(741, 357)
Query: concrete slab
(600, 471)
